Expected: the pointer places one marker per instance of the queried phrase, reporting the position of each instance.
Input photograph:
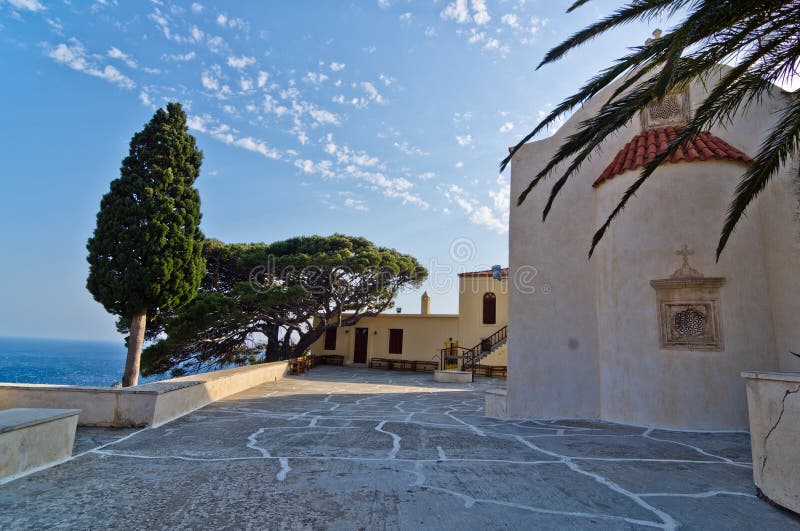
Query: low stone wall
(773, 403)
(143, 405)
(32, 439)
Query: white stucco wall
(641, 383)
(589, 347)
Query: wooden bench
(492, 371)
(34, 438)
(380, 363)
(426, 366)
(402, 364)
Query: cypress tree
(145, 255)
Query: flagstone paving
(351, 448)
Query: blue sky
(380, 118)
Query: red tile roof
(484, 273)
(646, 145)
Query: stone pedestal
(453, 376)
(773, 403)
(496, 404)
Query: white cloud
(271, 105)
(232, 23)
(227, 135)
(464, 140)
(28, 5)
(321, 116)
(426, 176)
(408, 149)
(406, 17)
(430, 31)
(73, 54)
(308, 166)
(481, 15)
(196, 33)
(144, 97)
(355, 204)
(483, 215)
(209, 81)
(510, 20)
(462, 117)
(315, 78)
(346, 155)
(495, 219)
(457, 11)
(197, 8)
(459, 165)
(262, 79)
(216, 44)
(162, 21)
(384, 4)
(116, 53)
(506, 127)
(240, 62)
(179, 57)
(337, 67)
(372, 92)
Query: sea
(63, 361)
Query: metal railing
(461, 358)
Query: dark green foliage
(146, 251)
(262, 302)
(759, 37)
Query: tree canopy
(761, 39)
(145, 255)
(260, 302)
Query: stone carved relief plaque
(688, 308)
(673, 110)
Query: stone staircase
(492, 350)
(498, 356)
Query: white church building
(652, 330)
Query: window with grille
(395, 341)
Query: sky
(385, 119)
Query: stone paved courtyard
(343, 448)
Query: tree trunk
(135, 342)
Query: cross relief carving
(688, 307)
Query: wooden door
(360, 349)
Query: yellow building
(482, 312)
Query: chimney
(426, 304)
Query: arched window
(489, 308)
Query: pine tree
(145, 255)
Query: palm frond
(760, 38)
(781, 144)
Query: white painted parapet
(144, 405)
(31, 439)
(773, 403)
